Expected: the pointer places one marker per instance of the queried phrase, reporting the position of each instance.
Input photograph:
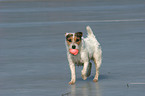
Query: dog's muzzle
(73, 46)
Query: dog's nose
(73, 46)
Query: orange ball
(74, 51)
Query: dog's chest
(77, 60)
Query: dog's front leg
(73, 75)
(84, 71)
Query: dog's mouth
(74, 51)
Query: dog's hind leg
(89, 69)
(84, 71)
(97, 60)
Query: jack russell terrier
(80, 51)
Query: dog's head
(73, 41)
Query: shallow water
(33, 59)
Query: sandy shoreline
(33, 55)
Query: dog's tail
(90, 32)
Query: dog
(80, 51)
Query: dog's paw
(95, 80)
(71, 82)
(84, 77)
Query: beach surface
(33, 59)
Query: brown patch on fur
(69, 38)
(77, 40)
(78, 37)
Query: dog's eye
(69, 40)
(77, 40)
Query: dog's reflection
(88, 89)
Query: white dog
(80, 51)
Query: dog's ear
(66, 34)
(79, 34)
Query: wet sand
(33, 58)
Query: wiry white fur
(89, 49)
